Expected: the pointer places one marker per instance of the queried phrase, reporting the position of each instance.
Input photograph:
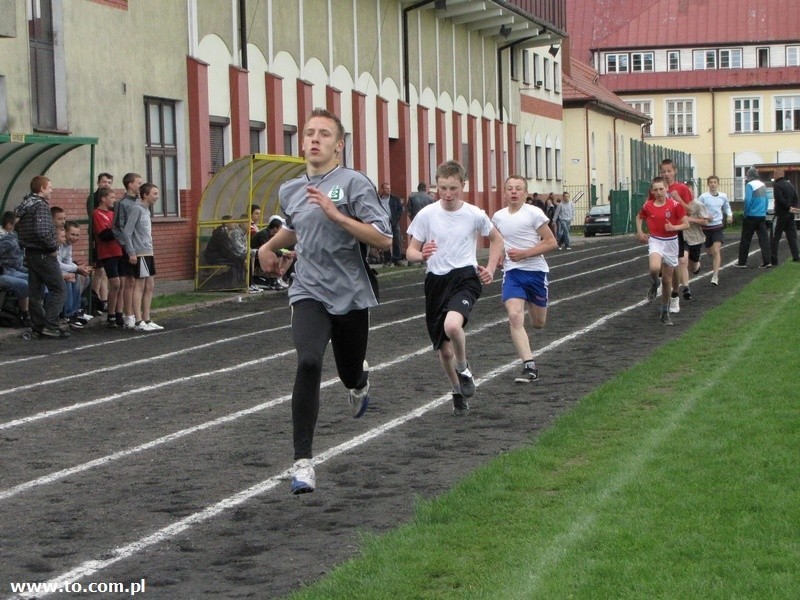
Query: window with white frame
(513, 66)
(762, 57)
(547, 74)
(680, 117)
(290, 140)
(431, 160)
(792, 56)
(161, 153)
(526, 66)
(528, 162)
(537, 70)
(559, 164)
(646, 107)
(539, 162)
(556, 77)
(616, 63)
(548, 162)
(787, 113)
(673, 60)
(746, 115)
(730, 58)
(705, 59)
(642, 61)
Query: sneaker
(715, 279)
(652, 293)
(460, 405)
(765, 266)
(359, 398)
(303, 479)
(254, 289)
(466, 382)
(54, 333)
(280, 284)
(665, 319)
(128, 321)
(569, 248)
(154, 326)
(118, 318)
(111, 324)
(528, 374)
(141, 326)
(687, 293)
(674, 305)
(77, 323)
(738, 266)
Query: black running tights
(312, 328)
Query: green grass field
(679, 479)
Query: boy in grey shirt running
(332, 214)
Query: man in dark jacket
(395, 213)
(418, 200)
(785, 209)
(37, 235)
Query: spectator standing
(718, 206)
(332, 214)
(419, 200)
(396, 213)
(138, 230)
(527, 237)
(122, 210)
(755, 220)
(445, 234)
(785, 208)
(99, 277)
(563, 214)
(37, 236)
(107, 250)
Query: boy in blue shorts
(527, 237)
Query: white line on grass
(560, 546)
(91, 567)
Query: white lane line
(235, 318)
(91, 567)
(58, 475)
(81, 405)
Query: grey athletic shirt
(329, 265)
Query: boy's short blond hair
(451, 168)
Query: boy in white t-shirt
(527, 236)
(445, 234)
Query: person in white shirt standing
(527, 238)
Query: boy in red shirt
(664, 217)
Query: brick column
(274, 133)
(359, 131)
(240, 112)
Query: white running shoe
(141, 326)
(153, 326)
(675, 305)
(303, 479)
(128, 322)
(359, 398)
(715, 279)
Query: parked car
(598, 220)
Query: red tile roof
(583, 86)
(703, 80)
(611, 24)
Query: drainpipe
(588, 147)
(243, 32)
(406, 75)
(616, 172)
(713, 132)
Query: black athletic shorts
(456, 291)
